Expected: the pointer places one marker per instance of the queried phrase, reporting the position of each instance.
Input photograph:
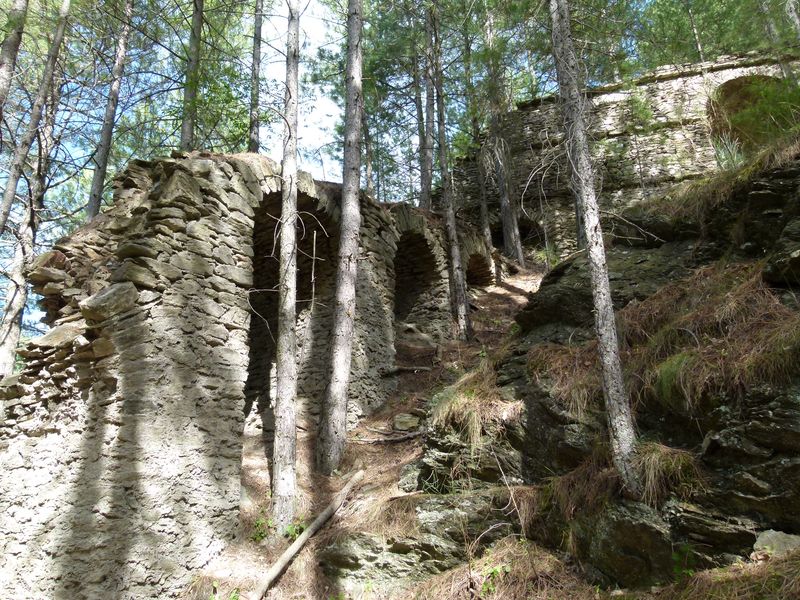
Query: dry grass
(586, 488)
(663, 470)
(721, 331)
(570, 372)
(512, 569)
(695, 201)
(472, 403)
(775, 579)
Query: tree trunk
(512, 245)
(472, 110)
(107, 131)
(17, 287)
(15, 24)
(771, 30)
(426, 180)
(695, 33)
(253, 143)
(793, 13)
(424, 173)
(618, 411)
(458, 285)
(333, 423)
(368, 155)
(192, 81)
(25, 142)
(285, 445)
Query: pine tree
(285, 445)
(192, 79)
(110, 116)
(333, 424)
(15, 25)
(573, 103)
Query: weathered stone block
(113, 300)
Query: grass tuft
(512, 569)
(472, 403)
(695, 201)
(718, 332)
(664, 470)
(774, 579)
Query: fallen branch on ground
(398, 370)
(390, 440)
(287, 556)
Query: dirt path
(240, 566)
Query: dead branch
(287, 556)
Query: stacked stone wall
(121, 438)
(647, 136)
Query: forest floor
(238, 569)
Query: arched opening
(479, 271)
(530, 232)
(415, 270)
(746, 113)
(420, 301)
(316, 284)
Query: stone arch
(745, 112)
(316, 284)
(479, 271)
(531, 233)
(415, 271)
(421, 288)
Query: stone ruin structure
(647, 136)
(121, 438)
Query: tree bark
(695, 33)
(109, 118)
(253, 143)
(192, 81)
(426, 179)
(618, 411)
(284, 479)
(512, 244)
(333, 422)
(15, 24)
(793, 12)
(25, 142)
(424, 173)
(771, 30)
(368, 155)
(472, 110)
(459, 301)
(17, 288)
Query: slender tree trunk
(17, 287)
(424, 173)
(618, 411)
(368, 155)
(695, 33)
(109, 118)
(25, 142)
(15, 24)
(253, 143)
(512, 244)
(459, 301)
(793, 12)
(427, 149)
(192, 81)
(472, 110)
(333, 423)
(285, 446)
(771, 30)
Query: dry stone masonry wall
(647, 136)
(121, 438)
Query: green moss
(668, 389)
